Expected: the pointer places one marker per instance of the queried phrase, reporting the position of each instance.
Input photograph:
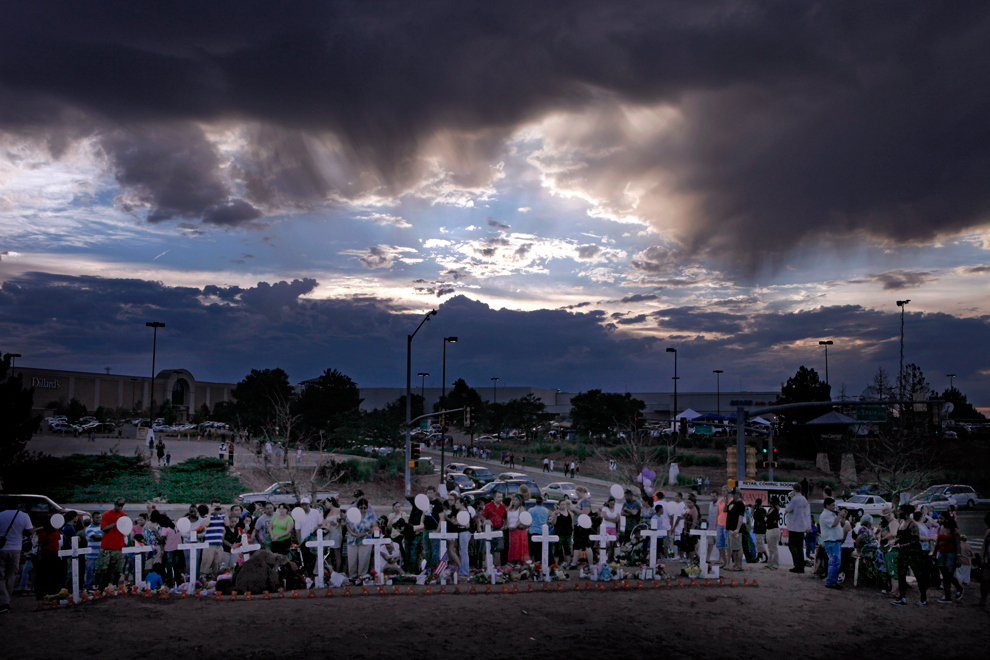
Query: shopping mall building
(121, 391)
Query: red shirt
(49, 543)
(494, 513)
(112, 540)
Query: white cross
(245, 548)
(193, 549)
(443, 535)
(319, 544)
(703, 554)
(377, 541)
(546, 540)
(654, 535)
(76, 553)
(137, 551)
(487, 536)
(603, 538)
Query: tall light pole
(409, 339)
(950, 377)
(498, 431)
(154, 349)
(443, 418)
(12, 357)
(422, 387)
(826, 344)
(902, 304)
(718, 391)
(676, 409)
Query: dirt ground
(787, 615)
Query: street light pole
(498, 431)
(676, 409)
(826, 344)
(422, 387)
(950, 377)
(154, 349)
(12, 357)
(718, 391)
(902, 304)
(443, 418)
(409, 339)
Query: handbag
(3, 539)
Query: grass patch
(198, 480)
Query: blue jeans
(834, 551)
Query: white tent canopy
(760, 420)
(688, 414)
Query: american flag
(442, 566)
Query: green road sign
(871, 413)
(703, 429)
(424, 424)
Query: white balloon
(584, 520)
(298, 514)
(183, 525)
(125, 525)
(616, 491)
(463, 518)
(442, 490)
(422, 502)
(354, 515)
(526, 518)
(58, 520)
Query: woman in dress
(518, 533)
(333, 523)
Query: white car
(864, 504)
(935, 501)
(487, 438)
(559, 490)
(455, 468)
(958, 494)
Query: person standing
(14, 526)
(281, 528)
(546, 464)
(947, 547)
(773, 536)
(735, 527)
(910, 556)
(760, 529)
(209, 565)
(359, 554)
(541, 516)
(110, 563)
(832, 531)
(495, 513)
(797, 521)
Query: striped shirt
(214, 532)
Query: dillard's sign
(45, 384)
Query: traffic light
(773, 463)
(467, 417)
(414, 452)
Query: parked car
(480, 475)
(455, 468)
(560, 490)
(936, 501)
(863, 504)
(486, 438)
(280, 492)
(459, 481)
(520, 476)
(958, 494)
(507, 488)
(869, 489)
(38, 507)
(64, 427)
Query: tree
(257, 398)
(330, 402)
(168, 413)
(75, 410)
(899, 459)
(961, 407)
(386, 426)
(460, 396)
(524, 413)
(16, 402)
(595, 412)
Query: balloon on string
(422, 502)
(58, 520)
(526, 518)
(298, 514)
(463, 518)
(183, 525)
(616, 491)
(354, 515)
(584, 520)
(442, 490)
(125, 525)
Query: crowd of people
(927, 544)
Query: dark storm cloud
(587, 251)
(87, 322)
(495, 224)
(632, 320)
(977, 270)
(800, 118)
(640, 297)
(902, 279)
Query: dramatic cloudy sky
(574, 185)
